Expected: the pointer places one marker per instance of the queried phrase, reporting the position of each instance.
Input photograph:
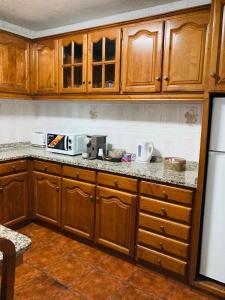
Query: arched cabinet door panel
(78, 207)
(115, 220)
(142, 57)
(14, 63)
(46, 66)
(185, 52)
(47, 197)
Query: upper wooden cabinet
(142, 57)
(104, 60)
(46, 66)
(217, 57)
(73, 64)
(185, 52)
(14, 63)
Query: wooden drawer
(43, 166)
(118, 182)
(13, 166)
(162, 243)
(168, 193)
(164, 261)
(165, 209)
(165, 227)
(79, 174)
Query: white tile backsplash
(174, 128)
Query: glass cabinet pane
(77, 76)
(110, 75)
(110, 49)
(97, 51)
(67, 53)
(97, 76)
(67, 77)
(78, 49)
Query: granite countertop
(150, 171)
(20, 241)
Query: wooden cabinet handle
(14, 167)
(54, 83)
(213, 75)
(46, 168)
(92, 198)
(98, 199)
(83, 82)
(1, 189)
(166, 78)
(157, 78)
(77, 174)
(163, 210)
(89, 82)
(159, 262)
(161, 246)
(164, 194)
(115, 182)
(162, 228)
(57, 188)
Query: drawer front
(165, 209)
(118, 182)
(162, 243)
(13, 166)
(163, 261)
(165, 227)
(43, 166)
(166, 193)
(79, 174)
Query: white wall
(174, 128)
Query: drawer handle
(164, 195)
(98, 199)
(77, 174)
(159, 262)
(1, 189)
(57, 188)
(162, 228)
(115, 182)
(92, 198)
(163, 210)
(161, 246)
(46, 168)
(14, 167)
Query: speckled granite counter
(20, 241)
(151, 171)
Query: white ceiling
(44, 14)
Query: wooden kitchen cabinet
(73, 64)
(14, 63)
(13, 198)
(142, 57)
(185, 52)
(45, 55)
(115, 219)
(104, 60)
(78, 207)
(47, 197)
(217, 57)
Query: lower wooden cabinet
(115, 219)
(47, 197)
(13, 198)
(78, 207)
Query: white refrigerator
(212, 259)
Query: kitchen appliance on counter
(38, 139)
(212, 261)
(93, 144)
(71, 144)
(144, 152)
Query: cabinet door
(73, 64)
(185, 52)
(78, 205)
(142, 57)
(46, 66)
(115, 220)
(47, 197)
(13, 198)
(14, 64)
(104, 60)
(217, 57)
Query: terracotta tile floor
(59, 268)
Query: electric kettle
(144, 152)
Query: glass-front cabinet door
(73, 64)
(104, 60)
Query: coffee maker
(94, 143)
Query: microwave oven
(71, 144)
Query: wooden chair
(8, 266)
